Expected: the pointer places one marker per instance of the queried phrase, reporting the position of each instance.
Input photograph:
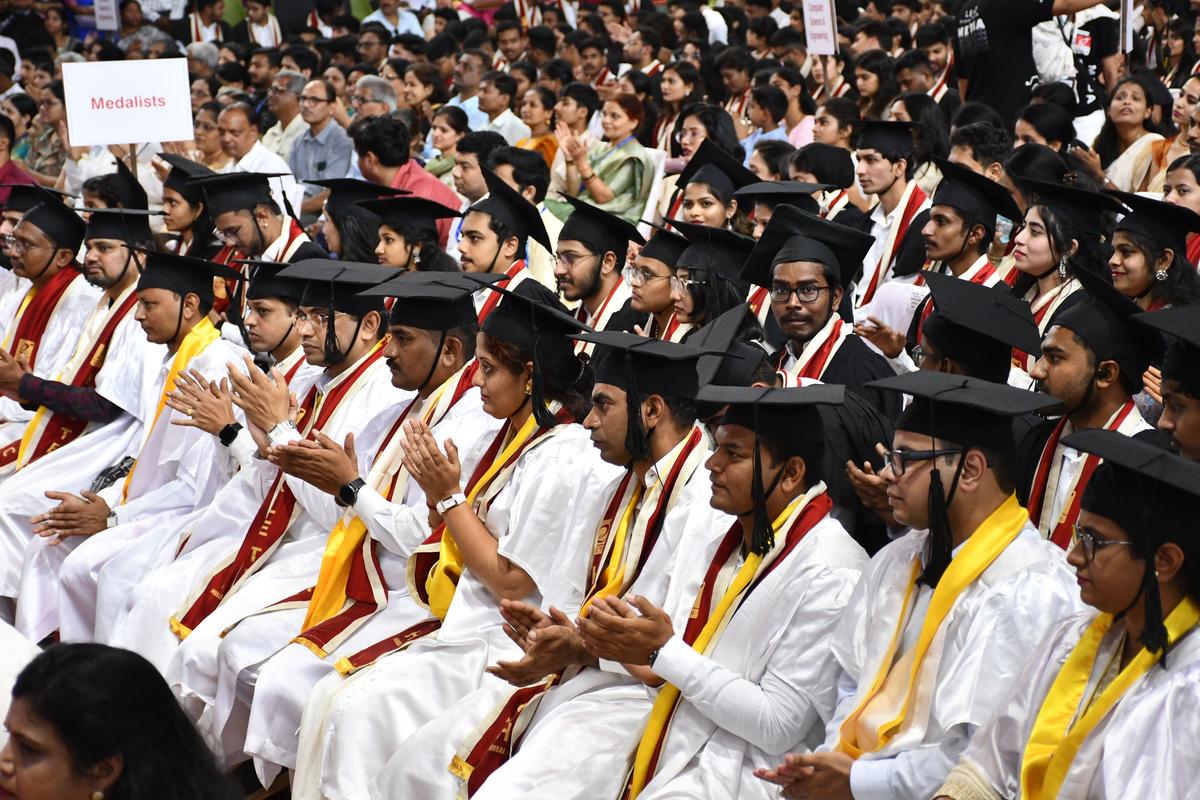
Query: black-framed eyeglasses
(899, 460)
(312, 101)
(1089, 541)
(805, 294)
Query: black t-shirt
(993, 50)
(1091, 43)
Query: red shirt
(11, 173)
(421, 183)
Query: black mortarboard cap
(1181, 363)
(1146, 490)
(788, 417)
(335, 283)
(346, 196)
(975, 196)
(420, 212)
(720, 171)
(1105, 323)
(430, 301)
(729, 362)
(58, 221)
(125, 224)
(1164, 224)
(794, 235)
(24, 196)
(599, 229)
(265, 281)
(886, 137)
(183, 274)
(510, 207)
(183, 171)
(665, 246)
(794, 193)
(1081, 209)
(531, 317)
(719, 251)
(649, 366)
(129, 190)
(979, 326)
(235, 191)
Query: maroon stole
(61, 429)
(1063, 528)
(502, 737)
(911, 208)
(225, 288)
(366, 589)
(489, 305)
(274, 515)
(816, 510)
(422, 562)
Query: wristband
(229, 433)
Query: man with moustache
(588, 265)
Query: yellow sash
(1057, 733)
(668, 696)
(613, 574)
(982, 548)
(329, 595)
(443, 578)
(197, 340)
(12, 331)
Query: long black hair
(431, 258)
(103, 702)
(718, 127)
(1181, 285)
(931, 133)
(1107, 145)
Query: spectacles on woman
(1086, 538)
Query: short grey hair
(207, 52)
(379, 89)
(295, 81)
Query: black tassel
(538, 393)
(941, 545)
(637, 443)
(1154, 630)
(763, 538)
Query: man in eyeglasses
(805, 263)
(323, 151)
(932, 640)
(283, 99)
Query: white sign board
(128, 102)
(107, 17)
(1127, 26)
(820, 27)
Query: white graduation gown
(574, 744)
(15, 653)
(270, 692)
(1141, 748)
(352, 725)
(978, 652)
(178, 470)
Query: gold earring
(97, 795)
(528, 388)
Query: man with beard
(587, 267)
(805, 263)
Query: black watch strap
(229, 433)
(348, 493)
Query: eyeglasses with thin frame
(318, 319)
(307, 99)
(805, 294)
(689, 133)
(1089, 541)
(640, 276)
(569, 260)
(19, 245)
(899, 460)
(359, 99)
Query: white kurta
(276, 684)
(260, 159)
(352, 725)
(179, 469)
(579, 738)
(978, 652)
(1139, 749)
(54, 349)
(218, 532)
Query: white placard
(820, 27)
(128, 102)
(107, 16)
(1127, 23)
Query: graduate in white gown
(176, 469)
(94, 413)
(935, 633)
(44, 321)
(93, 600)
(643, 418)
(241, 552)
(270, 661)
(1106, 706)
(505, 535)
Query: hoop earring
(1062, 268)
(1160, 276)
